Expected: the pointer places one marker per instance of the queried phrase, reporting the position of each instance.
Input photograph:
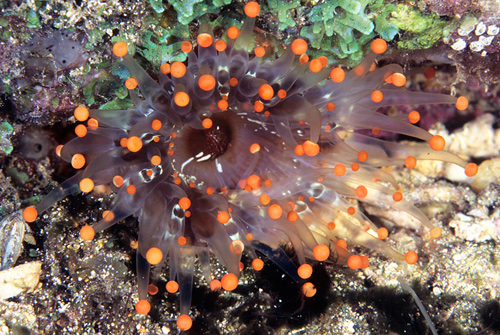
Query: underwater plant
(230, 153)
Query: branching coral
(231, 153)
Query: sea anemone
(230, 153)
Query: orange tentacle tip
(379, 46)
(471, 169)
(377, 96)
(309, 290)
(414, 117)
(305, 271)
(223, 217)
(275, 211)
(233, 32)
(58, 150)
(81, 113)
(299, 46)
(259, 51)
(382, 233)
(411, 257)
(204, 40)
(339, 170)
(186, 47)
(362, 156)
(229, 282)
(30, 214)
(310, 148)
(351, 210)
(134, 144)
(252, 9)
(120, 49)
(315, 65)
(165, 68)
(264, 199)
(254, 148)
(172, 286)
(462, 103)
(93, 124)
(257, 264)
(337, 75)
(304, 58)
(342, 244)
(266, 92)
(397, 196)
(154, 256)
(108, 216)
(206, 82)
(80, 130)
(131, 83)
(156, 160)
(354, 262)
(323, 60)
(436, 232)
(152, 289)
(181, 99)
(321, 252)
(410, 162)
(437, 143)
(86, 185)
(156, 124)
(361, 191)
(87, 233)
(215, 285)
(220, 45)
(398, 79)
(142, 307)
(184, 203)
(182, 240)
(365, 262)
(184, 322)
(222, 105)
(178, 70)
(207, 123)
(282, 94)
(292, 216)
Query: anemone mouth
(219, 156)
(209, 144)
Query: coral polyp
(232, 152)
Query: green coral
(158, 51)
(341, 26)
(381, 13)
(6, 131)
(188, 10)
(32, 20)
(422, 31)
(88, 92)
(162, 44)
(337, 28)
(117, 104)
(282, 9)
(157, 6)
(18, 177)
